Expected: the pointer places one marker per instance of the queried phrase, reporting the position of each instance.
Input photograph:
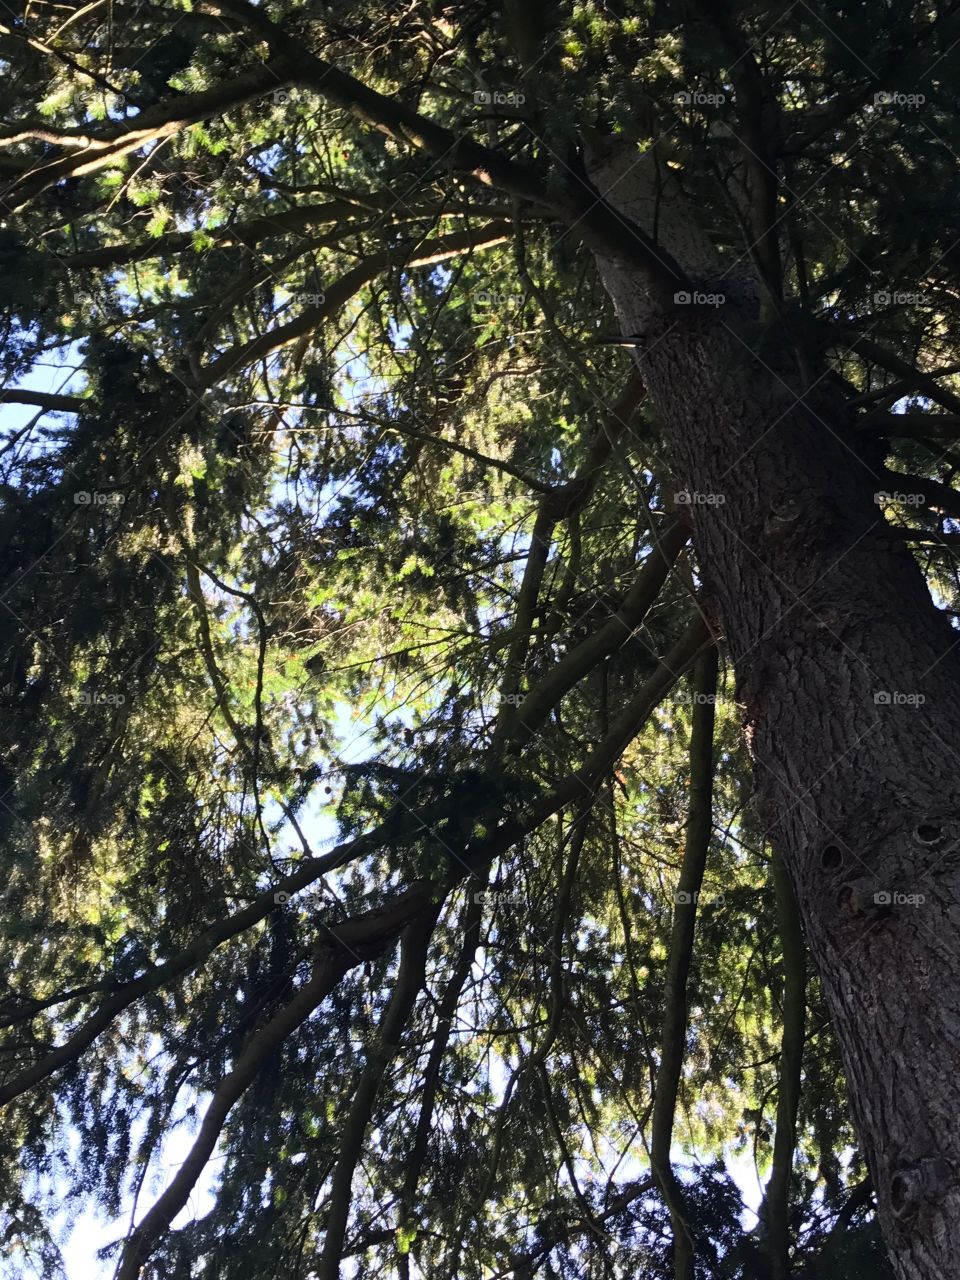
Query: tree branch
(44, 400)
(699, 828)
(575, 664)
(392, 831)
(912, 425)
(558, 503)
(329, 967)
(470, 940)
(936, 495)
(115, 139)
(574, 202)
(775, 1210)
(341, 291)
(912, 377)
(408, 985)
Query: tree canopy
(377, 816)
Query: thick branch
(912, 426)
(774, 1212)
(699, 827)
(572, 201)
(328, 969)
(859, 1198)
(393, 831)
(409, 983)
(574, 665)
(934, 493)
(472, 916)
(341, 291)
(282, 222)
(44, 400)
(758, 118)
(91, 151)
(561, 503)
(912, 377)
(364, 937)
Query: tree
(467, 424)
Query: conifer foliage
(380, 833)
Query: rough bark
(848, 678)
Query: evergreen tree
(478, 598)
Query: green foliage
(286, 612)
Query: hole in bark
(830, 857)
(928, 833)
(846, 898)
(899, 1195)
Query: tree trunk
(848, 679)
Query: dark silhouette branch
(699, 828)
(408, 985)
(775, 1210)
(329, 967)
(91, 150)
(351, 942)
(561, 503)
(405, 824)
(571, 201)
(911, 378)
(470, 929)
(934, 493)
(341, 291)
(44, 400)
(912, 426)
(575, 664)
